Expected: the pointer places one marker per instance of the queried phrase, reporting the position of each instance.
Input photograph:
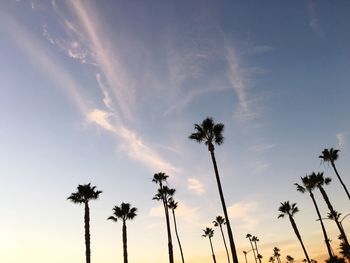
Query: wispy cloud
(237, 77)
(130, 142)
(194, 185)
(314, 22)
(342, 139)
(245, 213)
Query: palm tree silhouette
(211, 133)
(83, 195)
(256, 239)
(308, 185)
(249, 236)
(219, 221)
(291, 209)
(330, 156)
(320, 181)
(124, 212)
(209, 232)
(173, 205)
(290, 259)
(276, 254)
(160, 179)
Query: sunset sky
(108, 91)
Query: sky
(108, 92)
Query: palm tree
(320, 181)
(290, 259)
(245, 256)
(291, 209)
(219, 221)
(308, 185)
(271, 259)
(209, 232)
(330, 156)
(83, 195)
(124, 212)
(173, 205)
(256, 239)
(160, 179)
(276, 254)
(249, 236)
(211, 134)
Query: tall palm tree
(173, 205)
(249, 236)
(330, 156)
(308, 185)
(83, 195)
(124, 212)
(219, 221)
(160, 179)
(321, 181)
(209, 232)
(290, 210)
(255, 239)
(211, 134)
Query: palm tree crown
(208, 232)
(123, 212)
(287, 209)
(329, 155)
(84, 194)
(209, 133)
(219, 220)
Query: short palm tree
(290, 210)
(219, 221)
(124, 212)
(308, 185)
(209, 232)
(83, 195)
(290, 259)
(276, 254)
(321, 181)
(211, 133)
(160, 179)
(249, 236)
(330, 156)
(173, 205)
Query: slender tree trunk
(257, 252)
(177, 236)
(245, 256)
(296, 231)
(87, 233)
(329, 249)
(341, 181)
(331, 209)
(212, 250)
(125, 246)
(229, 231)
(251, 244)
(223, 238)
(170, 244)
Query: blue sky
(108, 91)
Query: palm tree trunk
(87, 233)
(257, 252)
(251, 244)
(212, 250)
(329, 249)
(296, 231)
(341, 181)
(125, 246)
(223, 238)
(170, 244)
(177, 236)
(331, 209)
(229, 231)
